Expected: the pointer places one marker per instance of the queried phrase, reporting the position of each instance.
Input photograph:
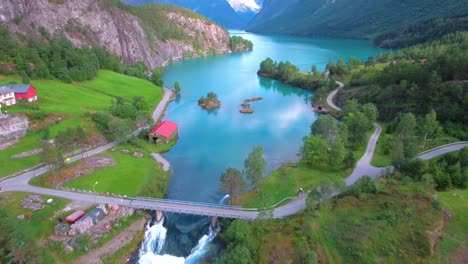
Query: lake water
(211, 141)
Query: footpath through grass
(75, 103)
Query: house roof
(164, 129)
(5, 90)
(21, 88)
(17, 88)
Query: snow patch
(244, 5)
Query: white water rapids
(155, 239)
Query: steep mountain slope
(233, 14)
(348, 18)
(153, 34)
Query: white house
(7, 96)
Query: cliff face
(114, 27)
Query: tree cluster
(429, 30)
(238, 43)
(64, 143)
(242, 248)
(419, 79)
(289, 73)
(57, 58)
(233, 181)
(445, 173)
(123, 117)
(330, 144)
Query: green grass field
(455, 238)
(131, 176)
(284, 182)
(42, 222)
(389, 227)
(75, 101)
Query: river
(211, 141)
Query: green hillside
(354, 18)
(69, 106)
(425, 31)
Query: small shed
(163, 132)
(75, 216)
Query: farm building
(89, 219)
(25, 92)
(7, 96)
(163, 132)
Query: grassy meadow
(74, 103)
(454, 243)
(144, 174)
(388, 227)
(285, 181)
(42, 222)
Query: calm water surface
(211, 141)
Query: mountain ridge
(347, 18)
(154, 34)
(220, 11)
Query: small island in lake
(246, 105)
(246, 109)
(210, 101)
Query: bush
(123, 110)
(102, 120)
(38, 115)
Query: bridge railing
(210, 205)
(443, 146)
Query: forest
(419, 79)
(57, 58)
(409, 35)
(288, 73)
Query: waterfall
(155, 238)
(224, 198)
(201, 248)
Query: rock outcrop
(115, 27)
(12, 127)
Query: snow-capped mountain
(232, 14)
(242, 6)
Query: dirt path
(122, 239)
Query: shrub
(38, 115)
(102, 120)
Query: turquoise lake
(211, 141)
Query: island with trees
(210, 101)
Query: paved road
(158, 112)
(332, 94)
(297, 204)
(363, 166)
(427, 155)
(164, 162)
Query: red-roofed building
(163, 132)
(25, 92)
(75, 216)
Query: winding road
(332, 94)
(363, 168)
